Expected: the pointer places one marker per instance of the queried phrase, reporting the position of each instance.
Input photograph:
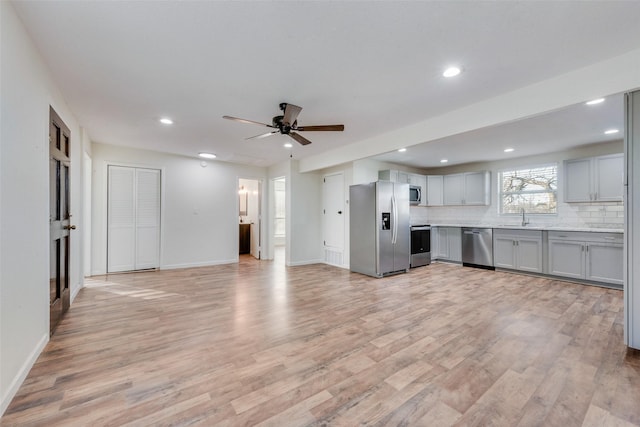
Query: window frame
(528, 167)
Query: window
(533, 189)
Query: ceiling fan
(287, 124)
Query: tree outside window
(533, 189)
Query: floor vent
(333, 257)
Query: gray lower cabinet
(596, 257)
(518, 249)
(446, 243)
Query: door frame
(270, 230)
(60, 228)
(262, 250)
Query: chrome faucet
(524, 220)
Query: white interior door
(133, 218)
(147, 219)
(334, 218)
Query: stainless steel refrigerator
(379, 235)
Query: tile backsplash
(580, 215)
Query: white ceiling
(374, 66)
(546, 133)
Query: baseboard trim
(308, 262)
(22, 373)
(198, 264)
(344, 267)
(76, 290)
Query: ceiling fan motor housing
(283, 127)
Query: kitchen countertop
(533, 227)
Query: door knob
(340, 212)
(69, 227)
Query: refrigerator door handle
(394, 209)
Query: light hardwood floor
(260, 344)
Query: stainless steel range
(420, 245)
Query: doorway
(59, 219)
(279, 220)
(250, 217)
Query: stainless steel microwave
(415, 194)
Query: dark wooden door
(59, 219)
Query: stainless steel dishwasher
(477, 247)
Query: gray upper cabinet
(434, 190)
(394, 176)
(469, 188)
(595, 179)
(454, 189)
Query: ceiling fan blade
(291, 113)
(246, 121)
(264, 135)
(320, 128)
(301, 139)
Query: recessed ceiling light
(288, 145)
(610, 131)
(207, 155)
(402, 150)
(444, 161)
(451, 72)
(509, 150)
(595, 101)
(166, 121)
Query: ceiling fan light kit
(287, 124)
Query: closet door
(133, 234)
(121, 219)
(147, 219)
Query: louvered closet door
(133, 235)
(147, 218)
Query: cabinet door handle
(581, 248)
(595, 196)
(587, 248)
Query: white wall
(199, 208)
(27, 92)
(304, 217)
(595, 214)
